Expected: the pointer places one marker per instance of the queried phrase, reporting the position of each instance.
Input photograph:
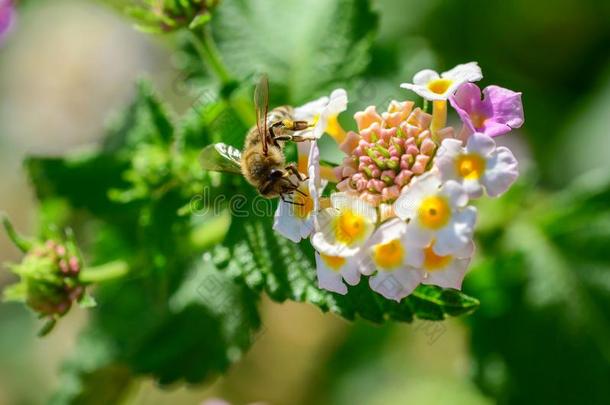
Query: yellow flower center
(350, 227)
(334, 129)
(434, 262)
(478, 120)
(333, 262)
(439, 86)
(470, 166)
(434, 212)
(303, 205)
(388, 255)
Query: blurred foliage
(543, 334)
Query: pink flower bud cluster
(60, 289)
(388, 152)
(68, 264)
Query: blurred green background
(542, 334)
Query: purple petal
(467, 102)
(506, 104)
(492, 128)
(6, 16)
(467, 97)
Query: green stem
(206, 48)
(23, 244)
(105, 272)
(204, 44)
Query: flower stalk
(439, 117)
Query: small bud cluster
(49, 278)
(171, 15)
(387, 153)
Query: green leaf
(146, 120)
(304, 47)
(83, 179)
(15, 292)
(265, 261)
(200, 20)
(22, 243)
(87, 301)
(213, 323)
(208, 325)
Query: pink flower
(499, 111)
(7, 15)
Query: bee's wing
(220, 157)
(261, 104)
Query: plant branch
(206, 48)
(105, 272)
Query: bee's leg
(300, 192)
(292, 185)
(272, 137)
(293, 169)
(283, 197)
(295, 138)
(295, 125)
(284, 138)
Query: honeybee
(262, 160)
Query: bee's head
(277, 183)
(276, 174)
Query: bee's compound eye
(276, 173)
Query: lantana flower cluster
(399, 208)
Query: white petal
(337, 103)
(447, 168)
(457, 234)
(415, 253)
(480, 144)
(502, 171)
(307, 227)
(350, 272)
(450, 277)
(467, 72)
(424, 91)
(417, 235)
(329, 279)
(320, 127)
(473, 188)
(323, 240)
(421, 187)
(365, 263)
(450, 147)
(313, 171)
(287, 224)
(423, 77)
(342, 201)
(455, 193)
(309, 111)
(466, 252)
(397, 284)
(388, 231)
